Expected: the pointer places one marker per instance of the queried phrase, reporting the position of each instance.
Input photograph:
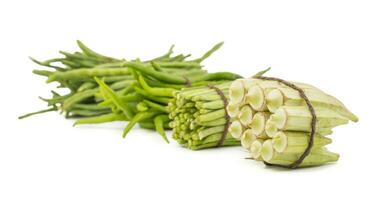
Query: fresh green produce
(281, 123)
(154, 95)
(104, 89)
(284, 124)
(199, 117)
(75, 72)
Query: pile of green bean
(153, 89)
(104, 89)
(198, 116)
(75, 72)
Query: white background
(331, 44)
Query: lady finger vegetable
(285, 115)
(280, 123)
(198, 117)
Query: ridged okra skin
(274, 123)
(317, 157)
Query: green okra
(280, 130)
(296, 142)
(214, 144)
(101, 119)
(108, 93)
(315, 158)
(298, 118)
(215, 122)
(151, 125)
(164, 92)
(209, 131)
(86, 86)
(159, 122)
(137, 118)
(86, 113)
(211, 116)
(210, 105)
(287, 96)
(90, 72)
(38, 112)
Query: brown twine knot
(227, 116)
(188, 83)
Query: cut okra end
(258, 123)
(247, 83)
(245, 115)
(267, 150)
(256, 98)
(279, 142)
(271, 128)
(255, 149)
(236, 129)
(232, 109)
(274, 100)
(299, 118)
(236, 92)
(247, 138)
(279, 118)
(297, 142)
(283, 135)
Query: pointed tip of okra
(98, 80)
(79, 43)
(219, 44)
(260, 73)
(171, 49)
(354, 118)
(76, 123)
(35, 60)
(51, 78)
(165, 139)
(125, 133)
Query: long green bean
(104, 89)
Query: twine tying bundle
(313, 121)
(227, 117)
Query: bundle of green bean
(198, 117)
(75, 72)
(152, 92)
(104, 89)
(273, 122)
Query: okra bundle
(104, 89)
(280, 123)
(199, 117)
(284, 123)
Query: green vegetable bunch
(154, 88)
(104, 89)
(283, 123)
(280, 123)
(75, 72)
(199, 117)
